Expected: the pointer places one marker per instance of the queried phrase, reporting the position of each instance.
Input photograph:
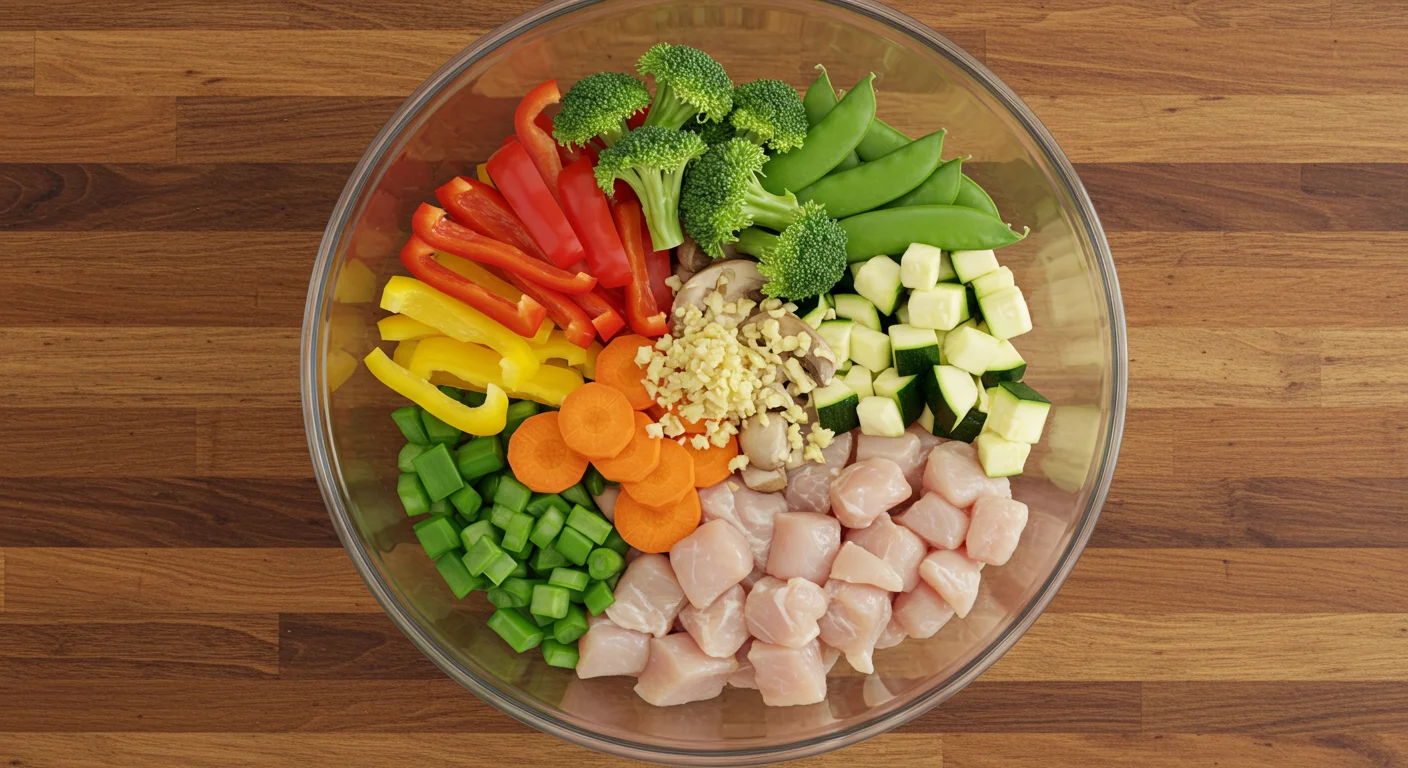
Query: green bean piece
(467, 502)
(572, 626)
(547, 527)
(615, 543)
(437, 472)
(515, 630)
(516, 532)
(501, 567)
(593, 481)
(512, 494)
(544, 623)
(546, 559)
(890, 231)
(598, 597)
(452, 393)
(970, 195)
(558, 654)
(481, 554)
(604, 563)
(590, 524)
(880, 140)
(941, 188)
(456, 576)
(413, 495)
(569, 578)
(574, 545)
(480, 457)
(818, 102)
(437, 535)
(439, 508)
(408, 453)
(437, 430)
(874, 184)
(827, 143)
(476, 530)
(549, 600)
(408, 420)
(515, 592)
(577, 494)
(473, 399)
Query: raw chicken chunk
(893, 635)
(906, 451)
(608, 650)
(743, 677)
(996, 528)
(829, 657)
(788, 676)
(896, 545)
(803, 544)
(954, 473)
(678, 672)
(867, 489)
(648, 597)
(928, 441)
(720, 628)
(809, 486)
(855, 617)
(606, 501)
(954, 576)
(922, 613)
(858, 566)
(936, 521)
(710, 560)
(752, 513)
(784, 612)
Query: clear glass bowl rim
(317, 426)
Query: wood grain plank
(371, 14)
(1025, 707)
(264, 442)
(136, 442)
(1084, 15)
(1254, 296)
(348, 646)
(17, 62)
(153, 14)
(1158, 750)
(278, 129)
(137, 197)
(107, 582)
(1276, 707)
(1300, 442)
(1243, 368)
(1377, 250)
(110, 512)
(154, 648)
(1364, 366)
(39, 129)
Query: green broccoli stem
(659, 193)
(669, 111)
(768, 210)
(611, 136)
(755, 242)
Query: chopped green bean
(547, 527)
(616, 544)
(590, 524)
(474, 399)
(413, 495)
(518, 412)
(437, 472)
(604, 563)
(467, 502)
(593, 481)
(569, 578)
(514, 592)
(572, 626)
(549, 600)
(458, 578)
(522, 553)
(486, 486)
(546, 559)
(452, 393)
(501, 567)
(437, 430)
(437, 535)
(481, 553)
(577, 494)
(520, 569)
(543, 501)
(611, 582)
(475, 530)
(574, 546)
(408, 419)
(439, 508)
(515, 630)
(480, 457)
(598, 597)
(516, 531)
(512, 494)
(408, 453)
(560, 654)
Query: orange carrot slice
(653, 530)
(596, 421)
(671, 479)
(711, 463)
(638, 459)
(541, 459)
(616, 367)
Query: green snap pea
(880, 140)
(874, 184)
(818, 101)
(939, 189)
(970, 195)
(890, 231)
(827, 143)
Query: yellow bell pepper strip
(404, 352)
(552, 385)
(441, 379)
(544, 331)
(481, 172)
(402, 328)
(341, 366)
(355, 284)
(486, 419)
(557, 347)
(461, 322)
(479, 367)
(466, 268)
(588, 366)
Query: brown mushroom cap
(744, 282)
(820, 367)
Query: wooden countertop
(173, 594)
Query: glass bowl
(924, 82)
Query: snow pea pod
(880, 140)
(889, 231)
(818, 101)
(970, 195)
(827, 143)
(939, 189)
(874, 184)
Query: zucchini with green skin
(879, 281)
(914, 350)
(1018, 412)
(1001, 457)
(890, 231)
(880, 416)
(837, 334)
(836, 406)
(1007, 365)
(993, 282)
(850, 306)
(970, 349)
(1006, 313)
(971, 265)
(953, 397)
(906, 391)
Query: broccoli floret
(597, 106)
(712, 133)
(722, 195)
(652, 160)
(808, 258)
(689, 85)
(769, 112)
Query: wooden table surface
(173, 594)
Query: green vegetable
(549, 600)
(518, 632)
(547, 527)
(473, 399)
(543, 501)
(452, 393)
(456, 576)
(604, 563)
(516, 532)
(500, 516)
(488, 486)
(481, 553)
(569, 578)
(570, 627)
(500, 568)
(593, 481)
(513, 593)
(408, 454)
(711, 133)
(437, 472)
(512, 494)
(652, 159)
(558, 654)
(689, 85)
(543, 622)
(808, 258)
(546, 559)
(439, 508)
(828, 142)
(880, 140)
(616, 544)
(941, 188)
(769, 112)
(818, 102)
(722, 194)
(408, 419)
(413, 495)
(438, 536)
(598, 597)
(573, 545)
(517, 413)
(970, 195)
(476, 530)
(860, 189)
(467, 502)
(578, 495)
(597, 107)
(480, 457)
(590, 524)
(951, 227)
(438, 431)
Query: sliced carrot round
(616, 367)
(654, 530)
(596, 421)
(671, 479)
(711, 463)
(690, 427)
(638, 459)
(541, 459)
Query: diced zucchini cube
(971, 265)
(970, 349)
(1006, 313)
(993, 282)
(1018, 412)
(941, 308)
(1001, 457)
(879, 281)
(921, 265)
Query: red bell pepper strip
(523, 318)
(528, 195)
(483, 209)
(433, 226)
(586, 208)
(657, 263)
(607, 317)
(576, 325)
(644, 314)
(540, 144)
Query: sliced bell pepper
(479, 274)
(558, 347)
(403, 351)
(434, 227)
(645, 317)
(528, 195)
(541, 146)
(522, 318)
(483, 209)
(479, 367)
(564, 310)
(586, 208)
(638, 119)
(657, 263)
(462, 322)
(606, 316)
(486, 419)
(589, 366)
(402, 328)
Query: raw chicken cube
(906, 451)
(784, 612)
(996, 528)
(710, 560)
(751, 512)
(809, 486)
(752, 578)
(855, 617)
(954, 576)
(922, 613)
(743, 677)
(788, 677)
(954, 473)
(803, 544)
(857, 565)
(936, 521)
(928, 441)
(678, 672)
(893, 635)
(648, 597)
(608, 650)
(829, 657)
(720, 628)
(867, 489)
(606, 501)
(896, 545)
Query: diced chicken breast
(678, 672)
(896, 545)
(720, 628)
(829, 657)
(606, 501)
(997, 526)
(865, 490)
(803, 544)
(788, 677)
(922, 613)
(857, 565)
(710, 560)
(752, 578)
(648, 597)
(838, 454)
(936, 521)
(928, 441)
(608, 650)
(906, 451)
(954, 576)
(954, 473)
(893, 635)
(743, 677)
(809, 486)
(855, 618)
(751, 512)
(784, 612)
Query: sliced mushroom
(744, 282)
(691, 256)
(765, 480)
(818, 361)
(765, 445)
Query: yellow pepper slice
(487, 419)
(486, 279)
(461, 322)
(481, 171)
(441, 379)
(403, 352)
(557, 347)
(402, 328)
(479, 367)
(551, 386)
(588, 366)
